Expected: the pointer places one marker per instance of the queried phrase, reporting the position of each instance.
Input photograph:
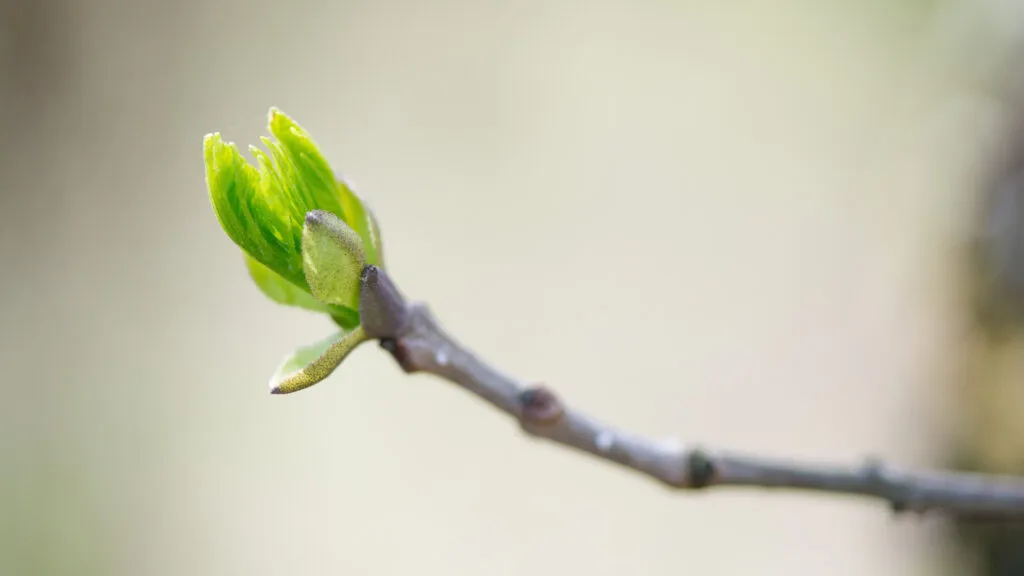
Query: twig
(413, 336)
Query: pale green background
(722, 221)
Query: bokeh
(735, 223)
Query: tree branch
(418, 343)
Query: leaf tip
(272, 115)
(282, 126)
(211, 142)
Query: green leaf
(333, 258)
(375, 240)
(359, 219)
(311, 364)
(248, 206)
(263, 209)
(280, 290)
(305, 173)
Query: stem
(419, 344)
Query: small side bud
(382, 308)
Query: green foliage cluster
(304, 234)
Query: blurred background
(786, 227)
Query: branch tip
(383, 311)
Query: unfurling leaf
(311, 364)
(263, 208)
(280, 290)
(375, 240)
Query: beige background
(725, 222)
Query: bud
(263, 209)
(304, 234)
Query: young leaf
(359, 219)
(250, 205)
(280, 290)
(263, 208)
(375, 241)
(333, 258)
(311, 364)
